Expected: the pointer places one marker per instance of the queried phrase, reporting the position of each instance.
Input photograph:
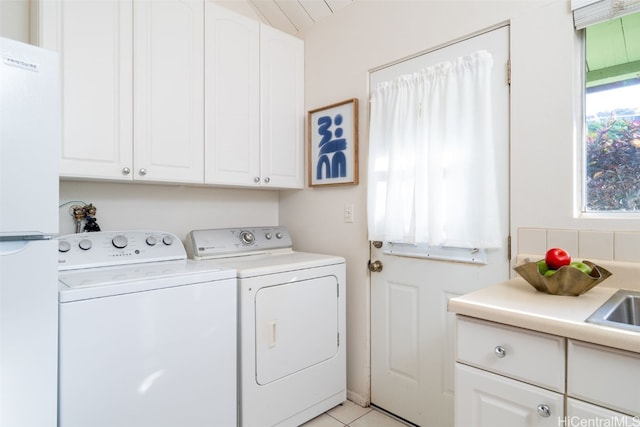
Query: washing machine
(148, 338)
(291, 323)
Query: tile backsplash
(587, 244)
(617, 251)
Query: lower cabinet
(507, 376)
(585, 414)
(604, 376)
(484, 399)
(514, 377)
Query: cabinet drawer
(604, 376)
(525, 355)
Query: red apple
(556, 258)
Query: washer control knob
(268, 236)
(167, 240)
(247, 237)
(120, 241)
(64, 246)
(85, 244)
(151, 241)
(279, 235)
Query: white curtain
(431, 175)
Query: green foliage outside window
(613, 162)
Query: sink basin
(622, 310)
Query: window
(612, 116)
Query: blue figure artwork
(332, 161)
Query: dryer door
(296, 326)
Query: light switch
(348, 212)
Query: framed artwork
(333, 144)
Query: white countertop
(517, 303)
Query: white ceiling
(292, 16)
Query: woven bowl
(566, 281)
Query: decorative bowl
(566, 281)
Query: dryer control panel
(106, 248)
(222, 242)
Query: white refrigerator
(29, 153)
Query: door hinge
(509, 72)
(338, 339)
(338, 290)
(509, 247)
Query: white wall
(176, 209)
(341, 50)
(14, 18)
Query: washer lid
(117, 280)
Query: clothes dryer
(292, 323)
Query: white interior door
(412, 334)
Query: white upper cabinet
(176, 91)
(168, 97)
(96, 59)
(132, 81)
(282, 108)
(254, 103)
(232, 98)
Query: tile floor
(348, 414)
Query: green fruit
(550, 273)
(581, 266)
(542, 267)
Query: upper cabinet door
(169, 84)
(282, 108)
(94, 42)
(232, 98)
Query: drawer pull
(500, 351)
(544, 411)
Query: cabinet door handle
(142, 171)
(500, 351)
(126, 171)
(544, 411)
(267, 180)
(256, 179)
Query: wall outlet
(348, 212)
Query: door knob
(375, 266)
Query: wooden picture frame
(333, 144)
